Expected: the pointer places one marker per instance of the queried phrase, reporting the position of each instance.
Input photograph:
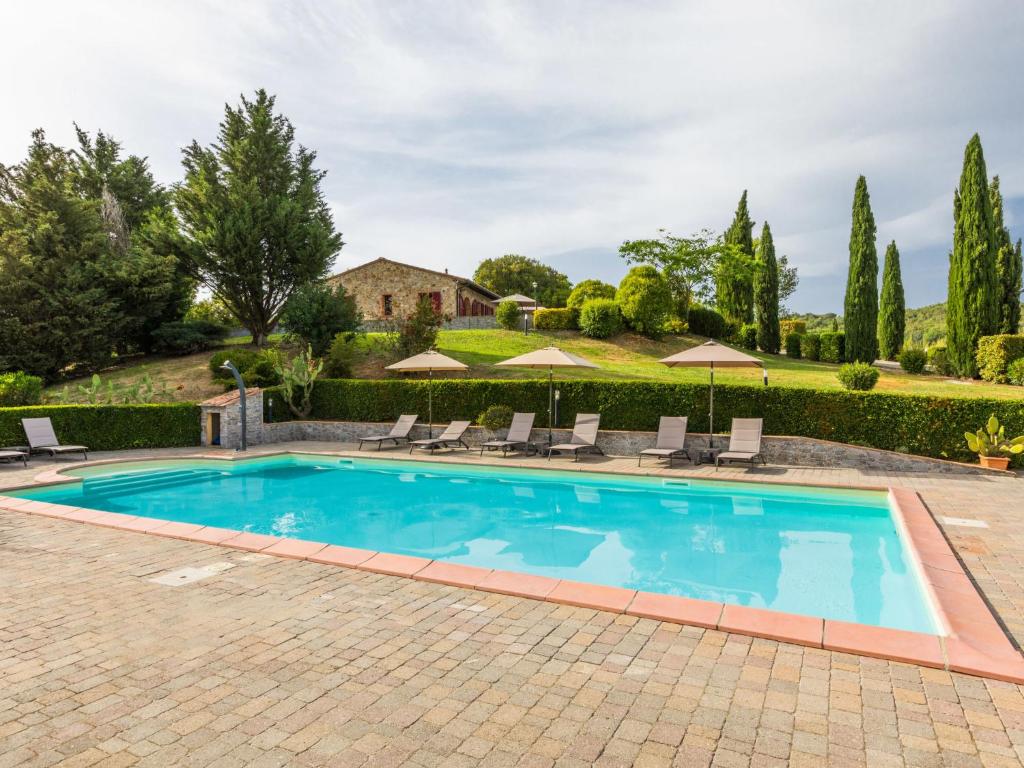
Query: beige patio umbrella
(550, 358)
(711, 354)
(428, 361)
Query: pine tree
(971, 306)
(861, 306)
(766, 294)
(892, 310)
(1008, 265)
(734, 288)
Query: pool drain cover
(190, 575)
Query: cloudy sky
(457, 131)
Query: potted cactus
(991, 441)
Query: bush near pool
(926, 426)
(109, 427)
(995, 353)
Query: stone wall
(780, 450)
(370, 283)
(228, 408)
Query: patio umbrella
(550, 358)
(711, 354)
(428, 361)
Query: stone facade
(385, 289)
(778, 450)
(220, 419)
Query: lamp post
(227, 365)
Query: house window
(435, 300)
(387, 306)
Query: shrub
(297, 379)
(789, 326)
(18, 388)
(995, 353)
(587, 290)
(212, 311)
(833, 347)
(913, 360)
(554, 319)
(938, 359)
(600, 318)
(110, 427)
(748, 336)
(645, 300)
(706, 322)
(417, 332)
(509, 315)
(810, 346)
(925, 425)
(1015, 372)
(255, 366)
(858, 376)
(496, 417)
(675, 326)
(316, 313)
(341, 357)
(185, 337)
(793, 345)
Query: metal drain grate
(190, 575)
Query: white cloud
(454, 131)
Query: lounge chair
(584, 436)
(398, 432)
(450, 438)
(671, 440)
(42, 439)
(744, 442)
(518, 435)
(11, 455)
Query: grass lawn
(625, 358)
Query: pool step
(115, 485)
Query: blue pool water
(820, 552)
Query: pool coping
(974, 642)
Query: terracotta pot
(994, 462)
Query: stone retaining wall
(789, 451)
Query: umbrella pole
(430, 402)
(711, 411)
(551, 403)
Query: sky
(452, 132)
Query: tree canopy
(255, 222)
(688, 263)
(512, 273)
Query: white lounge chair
(42, 439)
(671, 440)
(398, 432)
(11, 455)
(584, 437)
(450, 438)
(518, 435)
(744, 442)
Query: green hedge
(554, 319)
(110, 427)
(927, 426)
(995, 353)
(810, 346)
(832, 347)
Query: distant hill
(925, 325)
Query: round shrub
(19, 388)
(600, 318)
(748, 336)
(509, 315)
(913, 360)
(859, 376)
(587, 290)
(810, 346)
(706, 322)
(1015, 372)
(645, 300)
(495, 417)
(793, 345)
(938, 359)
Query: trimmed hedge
(927, 426)
(793, 345)
(706, 322)
(810, 346)
(555, 319)
(19, 388)
(913, 359)
(995, 353)
(110, 427)
(832, 347)
(748, 337)
(789, 326)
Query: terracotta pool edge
(991, 656)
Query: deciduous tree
(513, 273)
(688, 263)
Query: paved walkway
(280, 662)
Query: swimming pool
(829, 553)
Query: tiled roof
(228, 398)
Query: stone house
(385, 289)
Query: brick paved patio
(276, 662)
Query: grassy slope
(624, 358)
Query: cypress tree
(734, 288)
(892, 310)
(971, 305)
(1008, 265)
(766, 294)
(861, 305)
